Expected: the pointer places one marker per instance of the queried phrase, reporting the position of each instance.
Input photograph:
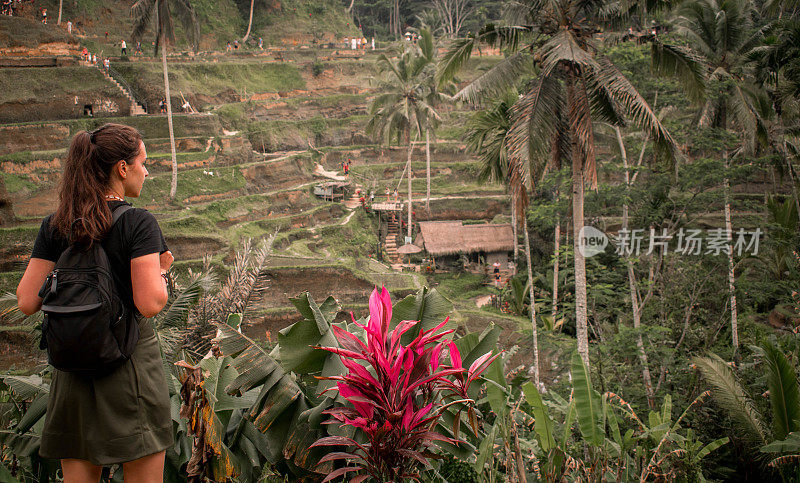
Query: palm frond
(142, 12)
(187, 17)
(683, 63)
(610, 79)
(564, 48)
(784, 396)
(456, 57)
(533, 127)
(732, 397)
(10, 315)
(177, 312)
(582, 128)
(497, 79)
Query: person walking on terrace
(124, 47)
(120, 415)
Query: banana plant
(23, 410)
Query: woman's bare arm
(149, 287)
(28, 298)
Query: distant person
(138, 47)
(388, 195)
(228, 47)
(107, 63)
(235, 45)
(162, 104)
(353, 43)
(261, 43)
(396, 196)
(44, 16)
(94, 59)
(85, 54)
(364, 43)
(496, 271)
(373, 43)
(124, 47)
(106, 34)
(69, 27)
(346, 42)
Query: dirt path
(320, 171)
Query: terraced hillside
(272, 126)
(247, 167)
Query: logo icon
(592, 241)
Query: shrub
(397, 393)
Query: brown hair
(82, 215)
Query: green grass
(25, 234)
(36, 84)
(25, 157)
(274, 135)
(24, 32)
(211, 79)
(15, 183)
(192, 183)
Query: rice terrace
(434, 240)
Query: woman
(123, 417)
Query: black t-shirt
(135, 234)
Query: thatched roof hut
(453, 237)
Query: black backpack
(86, 326)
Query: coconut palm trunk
(60, 5)
(731, 269)
(174, 186)
(428, 170)
(250, 23)
(581, 320)
(533, 304)
(636, 306)
(557, 246)
(408, 168)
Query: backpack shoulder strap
(118, 212)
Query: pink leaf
(435, 356)
(408, 415)
(337, 473)
(455, 356)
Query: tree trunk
(408, 166)
(581, 320)
(350, 8)
(533, 306)
(250, 23)
(60, 5)
(731, 271)
(428, 170)
(514, 224)
(555, 267)
(174, 186)
(635, 305)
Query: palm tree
(713, 66)
(402, 110)
(487, 136)
(575, 86)
(143, 12)
(427, 50)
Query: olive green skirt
(111, 419)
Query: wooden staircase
(390, 244)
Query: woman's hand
(165, 260)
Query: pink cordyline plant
(397, 394)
